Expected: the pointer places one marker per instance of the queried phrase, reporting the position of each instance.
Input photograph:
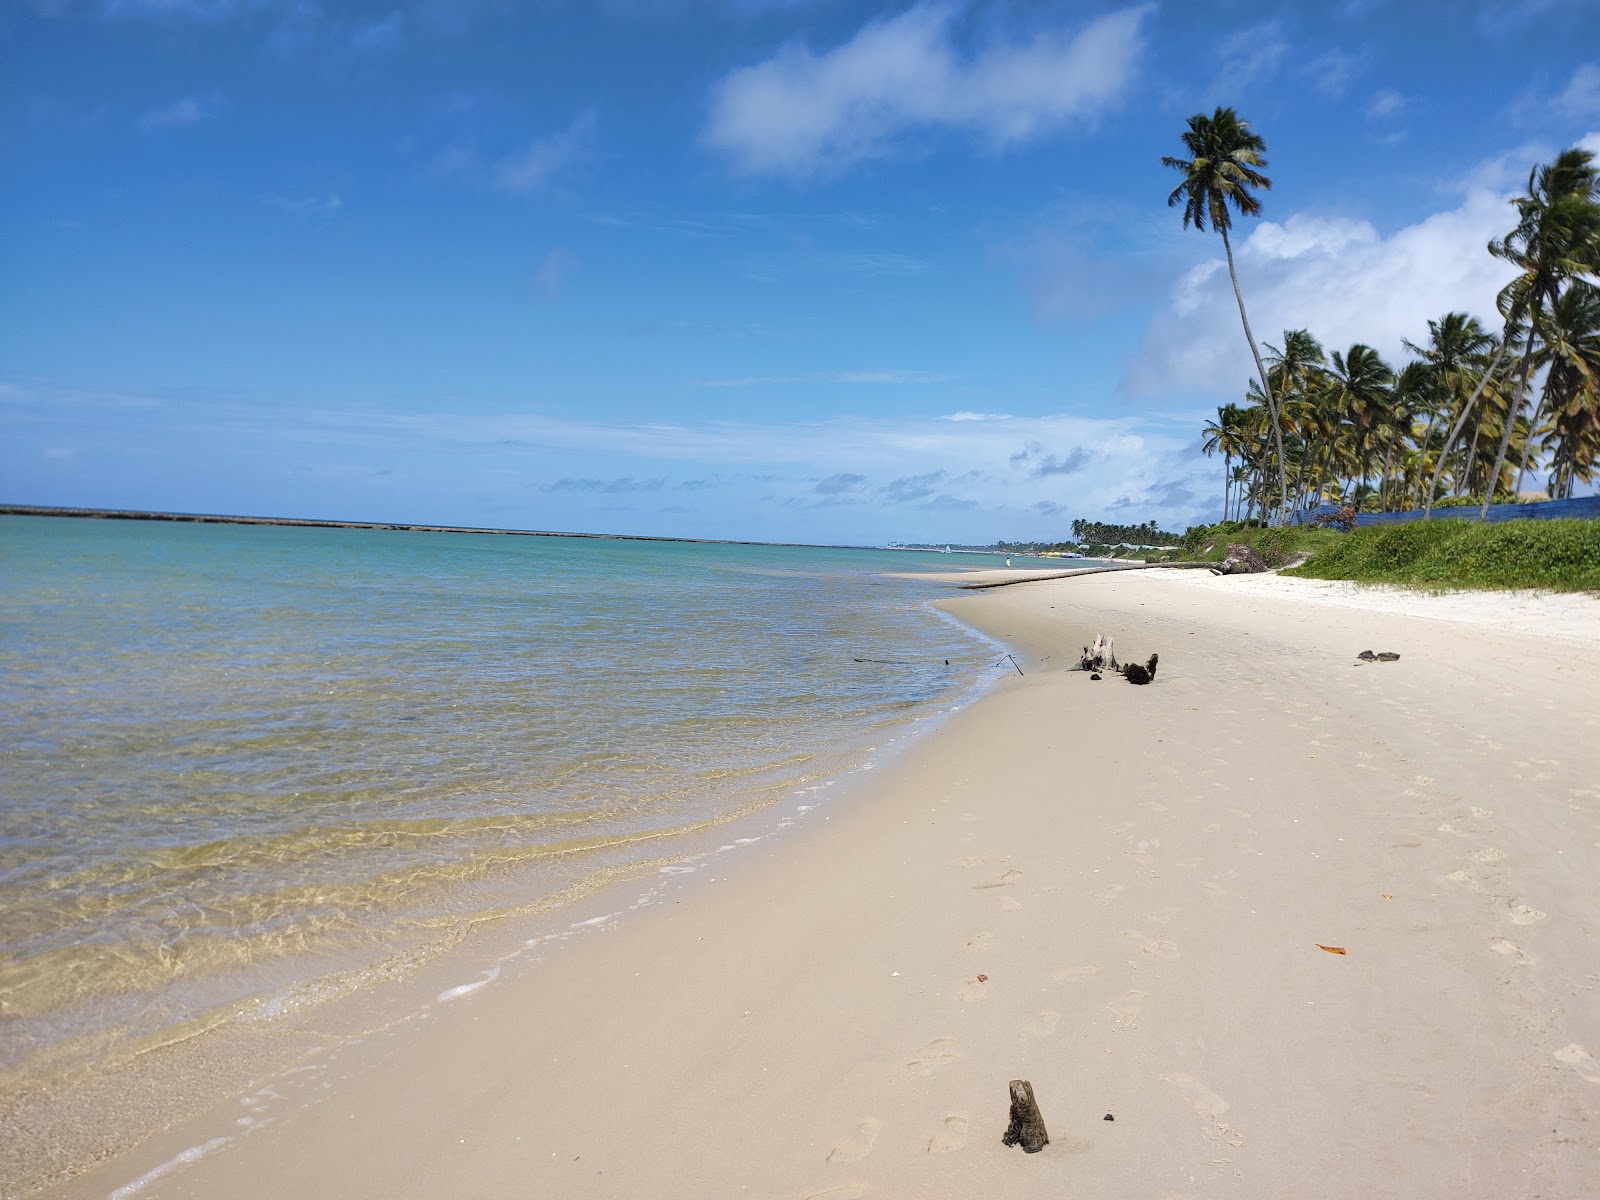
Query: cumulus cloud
(801, 113)
(1340, 278)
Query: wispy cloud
(1385, 102)
(1249, 56)
(187, 110)
(542, 161)
(551, 275)
(1331, 73)
(801, 113)
(880, 375)
(609, 487)
(1581, 96)
(976, 416)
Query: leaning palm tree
(1557, 239)
(1222, 168)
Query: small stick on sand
(1027, 1126)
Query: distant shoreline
(122, 514)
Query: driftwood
(1241, 560)
(1134, 673)
(1381, 656)
(1098, 657)
(1027, 1126)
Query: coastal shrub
(1559, 555)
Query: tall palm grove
(1471, 412)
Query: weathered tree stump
(1098, 657)
(1027, 1126)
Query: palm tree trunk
(1266, 388)
(1422, 454)
(1511, 421)
(1527, 446)
(1455, 432)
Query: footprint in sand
(1042, 1025)
(950, 1138)
(1511, 950)
(1481, 813)
(1006, 880)
(1579, 1056)
(1073, 974)
(1010, 903)
(974, 990)
(968, 861)
(940, 1052)
(1464, 879)
(1123, 828)
(1107, 894)
(1213, 828)
(1523, 914)
(980, 941)
(1155, 947)
(1207, 1105)
(1213, 889)
(850, 1191)
(1126, 1010)
(1489, 855)
(859, 1144)
(1163, 915)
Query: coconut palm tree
(1557, 240)
(1363, 384)
(1225, 434)
(1225, 157)
(1571, 356)
(1456, 342)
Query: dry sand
(1115, 892)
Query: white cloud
(800, 113)
(1331, 73)
(1340, 278)
(538, 166)
(188, 110)
(1581, 96)
(976, 416)
(876, 375)
(550, 277)
(1249, 56)
(1385, 103)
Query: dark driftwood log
(1134, 673)
(1027, 1126)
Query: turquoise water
(237, 756)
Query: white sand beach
(1122, 894)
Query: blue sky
(806, 270)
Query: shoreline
(1141, 875)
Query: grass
(1562, 556)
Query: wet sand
(1118, 893)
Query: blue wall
(1543, 510)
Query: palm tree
(1557, 239)
(1225, 434)
(1222, 168)
(1296, 375)
(1455, 341)
(1363, 383)
(1571, 354)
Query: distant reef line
(121, 514)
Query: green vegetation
(1209, 543)
(1473, 412)
(1561, 556)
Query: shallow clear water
(236, 756)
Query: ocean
(239, 760)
